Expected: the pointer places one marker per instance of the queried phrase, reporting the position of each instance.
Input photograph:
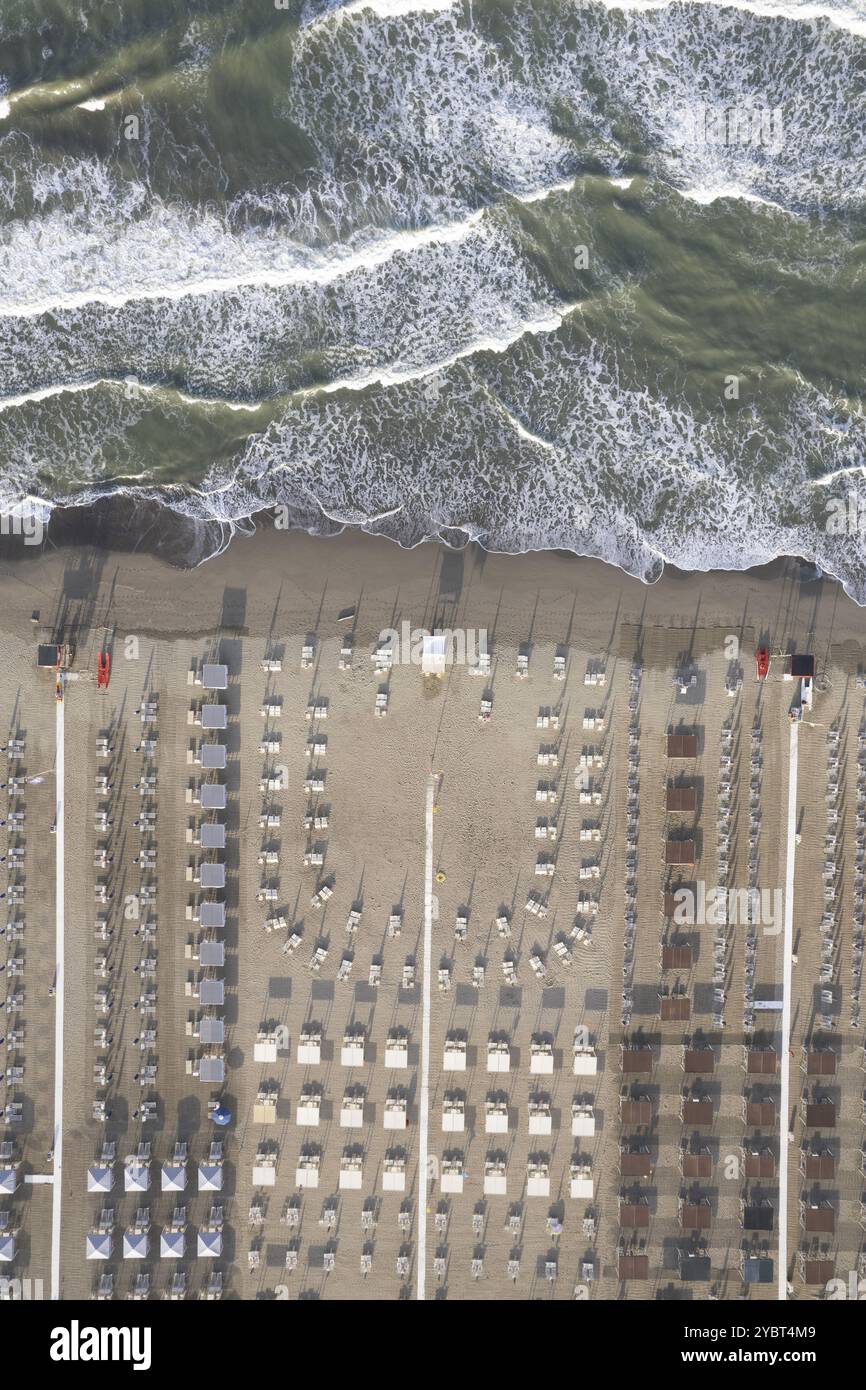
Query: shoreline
(782, 603)
(127, 524)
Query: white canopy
(209, 1245)
(8, 1180)
(210, 1177)
(135, 1245)
(173, 1177)
(136, 1178)
(99, 1179)
(97, 1246)
(171, 1245)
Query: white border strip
(787, 951)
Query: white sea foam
(850, 17)
(129, 387)
(706, 196)
(846, 16)
(142, 260)
(335, 11)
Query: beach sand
(267, 594)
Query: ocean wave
(515, 103)
(845, 15)
(555, 444)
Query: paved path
(60, 936)
(787, 951)
(424, 1124)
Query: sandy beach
(432, 789)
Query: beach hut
(100, 1178)
(135, 1244)
(394, 1114)
(213, 717)
(394, 1172)
(452, 1173)
(434, 652)
(310, 1048)
(498, 1054)
(496, 1114)
(634, 1216)
(352, 1050)
(210, 1177)
(211, 1030)
(820, 1115)
(636, 1112)
(582, 1119)
(761, 1061)
(540, 1118)
(581, 1185)
(214, 676)
(538, 1176)
(307, 1171)
(211, 993)
(136, 1176)
(172, 1245)
(213, 796)
(695, 1215)
(351, 1171)
(698, 1060)
(265, 1048)
(212, 1070)
(212, 915)
(494, 1177)
(540, 1056)
(396, 1051)
(453, 1113)
(682, 745)
(637, 1061)
(212, 875)
(680, 852)
(351, 1110)
(173, 1178)
(9, 1180)
(680, 799)
(98, 1245)
(209, 1243)
(696, 1114)
(585, 1061)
